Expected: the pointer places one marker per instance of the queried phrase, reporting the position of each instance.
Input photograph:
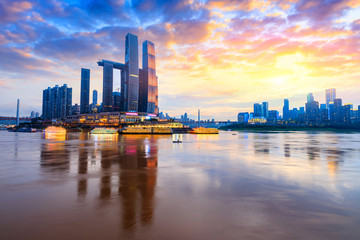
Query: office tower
(265, 109)
(85, 90)
(148, 89)
(330, 95)
(338, 110)
(57, 102)
(95, 98)
(346, 113)
(286, 109)
(310, 97)
(293, 114)
(331, 112)
(243, 117)
(273, 116)
(46, 110)
(302, 110)
(116, 101)
(358, 112)
(257, 110)
(107, 87)
(131, 93)
(323, 106)
(312, 112)
(37, 115)
(324, 114)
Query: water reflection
(55, 154)
(261, 143)
(128, 164)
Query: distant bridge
(12, 120)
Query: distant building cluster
(34, 114)
(139, 87)
(332, 112)
(57, 102)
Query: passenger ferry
(103, 131)
(54, 129)
(202, 130)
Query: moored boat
(103, 131)
(202, 130)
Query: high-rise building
(116, 101)
(107, 87)
(85, 91)
(312, 112)
(57, 102)
(95, 98)
(131, 87)
(243, 117)
(286, 109)
(310, 97)
(330, 95)
(265, 109)
(346, 113)
(323, 106)
(46, 109)
(273, 116)
(338, 116)
(148, 89)
(257, 110)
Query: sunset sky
(219, 56)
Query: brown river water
(295, 185)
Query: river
(235, 185)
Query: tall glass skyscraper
(131, 88)
(310, 97)
(286, 109)
(107, 87)
(85, 90)
(330, 95)
(148, 89)
(95, 97)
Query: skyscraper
(85, 90)
(116, 101)
(286, 109)
(310, 97)
(148, 89)
(257, 110)
(107, 87)
(46, 110)
(338, 110)
(312, 112)
(265, 109)
(131, 87)
(330, 95)
(57, 102)
(95, 98)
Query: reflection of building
(139, 154)
(55, 156)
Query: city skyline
(217, 56)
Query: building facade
(57, 102)
(85, 91)
(131, 88)
(148, 85)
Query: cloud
(11, 11)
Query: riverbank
(289, 128)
